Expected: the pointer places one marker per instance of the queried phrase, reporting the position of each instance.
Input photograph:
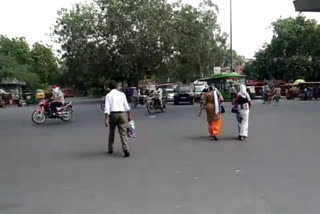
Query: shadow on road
(54, 122)
(198, 138)
(206, 139)
(5, 206)
(91, 155)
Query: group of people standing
(211, 103)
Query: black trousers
(55, 105)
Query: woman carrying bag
(242, 105)
(211, 103)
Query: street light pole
(231, 52)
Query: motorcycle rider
(57, 99)
(159, 93)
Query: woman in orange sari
(211, 103)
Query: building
(307, 5)
(13, 86)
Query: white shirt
(116, 101)
(58, 97)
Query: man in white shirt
(117, 114)
(159, 94)
(57, 99)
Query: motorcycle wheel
(102, 106)
(68, 116)
(38, 118)
(163, 109)
(150, 108)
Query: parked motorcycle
(153, 104)
(40, 116)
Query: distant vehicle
(153, 103)
(40, 115)
(290, 91)
(184, 93)
(168, 91)
(170, 95)
(29, 97)
(68, 92)
(224, 81)
(198, 89)
(40, 95)
(309, 90)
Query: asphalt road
(62, 168)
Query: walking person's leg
(216, 126)
(210, 129)
(245, 124)
(122, 125)
(113, 124)
(239, 119)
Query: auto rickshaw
(30, 98)
(4, 100)
(290, 91)
(40, 95)
(309, 90)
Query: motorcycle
(40, 116)
(153, 104)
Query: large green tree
(127, 40)
(35, 66)
(293, 52)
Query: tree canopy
(292, 54)
(131, 40)
(37, 66)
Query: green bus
(224, 81)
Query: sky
(33, 19)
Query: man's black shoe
(110, 151)
(126, 154)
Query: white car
(170, 94)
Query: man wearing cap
(57, 99)
(117, 114)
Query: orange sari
(214, 121)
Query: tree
(17, 61)
(44, 63)
(292, 53)
(124, 40)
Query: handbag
(131, 130)
(234, 110)
(222, 110)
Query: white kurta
(243, 120)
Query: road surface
(62, 168)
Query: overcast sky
(251, 19)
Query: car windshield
(183, 88)
(199, 88)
